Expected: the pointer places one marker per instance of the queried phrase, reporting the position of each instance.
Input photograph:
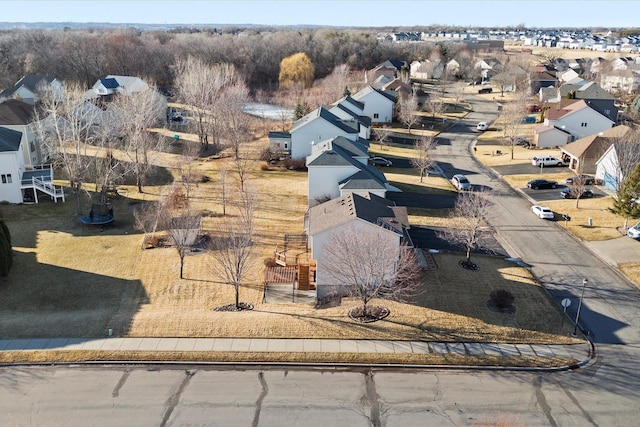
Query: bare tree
(200, 85)
(577, 187)
(184, 230)
(381, 135)
(435, 106)
(67, 130)
(513, 115)
(224, 188)
(367, 265)
(134, 114)
(470, 210)
(149, 217)
(190, 152)
(424, 153)
(408, 106)
(234, 121)
(232, 248)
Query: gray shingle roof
(14, 112)
(347, 208)
(30, 82)
(9, 140)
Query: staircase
(41, 179)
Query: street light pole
(575, 329)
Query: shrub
(501, 299)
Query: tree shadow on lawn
(45, 301)
(452, 289)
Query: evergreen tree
(6, 253)
(626, 203)
(301, 110)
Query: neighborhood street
(602, 393)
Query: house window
(32, 147)
(6, 178)
(286, 146)
(376, 115)
(583, 124)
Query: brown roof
(555, 114)
(598, 143)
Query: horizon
(332, 13)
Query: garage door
(610, 181)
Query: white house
(366, 214)
(337, 167)
(348, 108)
(378, 105)
(111, 85)
(11, 165)
(578, 118)
(19, 184)
(29, 89)
(20, 116)
(607, 166)
(317, 126)
(547, 136)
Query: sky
(347, 13)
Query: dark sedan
(538, 184)
(570, 193)
(580, 179)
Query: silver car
(461, 182)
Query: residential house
(548, 136)
(578, 119)
(347, 108)
(625, 81)
(280, 143)
(112, 85)
(338, 166)
(17, 183)
(378, 104)
(29, 89)
(363, 213)
(11, 165)
(608, 170)
(597, 98)
(318, 126)
(20, 116)
(542, 77)
(585, 152)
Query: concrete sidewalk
(579, 352)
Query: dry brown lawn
(73, 281)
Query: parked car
(634, 232)
(570, 193)
(482, 126)
(461, 182)
(534, 108)
(586, 179)
(542, 212)
(537, 184)
(546, 161)
(380, 161)
(485, 90)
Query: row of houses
(345, 192)
(561, 39)
(25, 169)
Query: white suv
(546, 161)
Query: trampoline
(99, 215)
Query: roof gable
(14, 112)
(9, 140)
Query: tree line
(83, 56)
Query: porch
(40, 179)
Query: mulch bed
(374, 313)
(469, 265)
(243, 306)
